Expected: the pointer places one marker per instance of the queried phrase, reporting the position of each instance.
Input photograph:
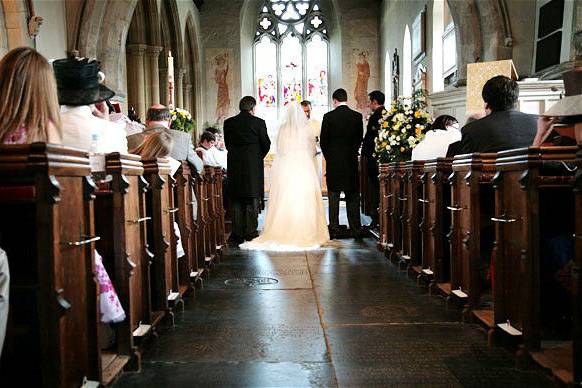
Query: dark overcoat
(341, 136)
(369, 143)
(247, 142)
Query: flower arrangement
(402, 127)
(182, 120)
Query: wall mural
(218, 62)
(362, 76)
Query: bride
(295, 217)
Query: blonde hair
(156, 145)
(28, 91)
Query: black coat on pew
(498, 131)
(247, 143)
(341, 135)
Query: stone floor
(342, 316)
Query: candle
(170, 80)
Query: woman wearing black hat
(80, 90)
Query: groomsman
(377, 99)
(341, 135)
(248, 143)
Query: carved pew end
(404, 263)
(141, 333)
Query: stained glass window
(291, 58)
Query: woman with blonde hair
(30, 107)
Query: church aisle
(342, 316)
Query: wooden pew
(46, 229)
(121, 223)
(471, 231)
(186, 201)
(577, 277)
(219, 205)
(395, 208)
(411, 216)
(201, 223)
(436, 223)
(385, 209)
(160, 207)
(534, 206)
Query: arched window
(290, 58)
(444, 50)
(407, 64)
(449, 46)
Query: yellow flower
(385, 124)
(401, 149)
(418, 131)
(417, 114)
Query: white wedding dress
(295, 219)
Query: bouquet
(182, 120)
(402, 127)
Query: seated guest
(29, 111)
(84, 112)
(504, 127)
(207, 142)
(219, 150)
(158, 119)
(159, 145)
(443, 132)
(455, 148)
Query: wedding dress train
(295, 218)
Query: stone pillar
(163, 79)
(179, 77)
(136, 78)
(153, 55)
(188, 98)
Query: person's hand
(545, 124)
(101, 110)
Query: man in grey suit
(158, 119)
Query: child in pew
(30, 108)
(159, 145)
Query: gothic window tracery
(290, 58)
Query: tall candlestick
(170, 80)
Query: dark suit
(247, 142)
(368, 149)
(498, 131)
(341, 135)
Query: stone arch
(171, 40)
(102, 31)
(193, 77)
(483, 32)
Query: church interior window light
(290, 58)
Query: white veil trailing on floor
(295, 218)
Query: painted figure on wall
(221, 68)
(363, 75)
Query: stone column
(188, 98)
(163, 78)
(136, 78)
(179, 76)
(153, 55)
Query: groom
(248, 143)
(342, 131)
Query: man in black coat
(377, 99)
(341, 135)
(503, 128)
(248, 143)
